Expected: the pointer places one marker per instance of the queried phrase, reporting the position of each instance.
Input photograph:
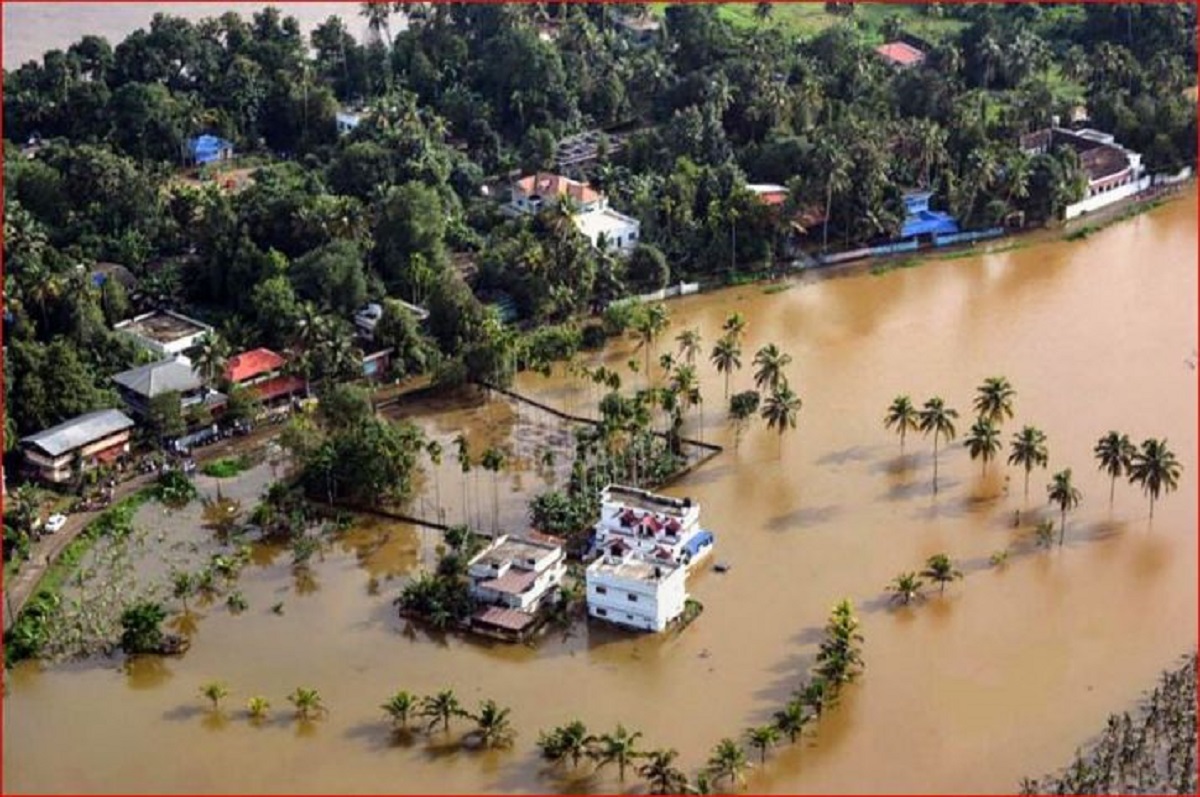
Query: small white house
(619, 232)
(347, 121)
(516, 574)
(653, 525)
(634, 590)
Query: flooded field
(1004, 676)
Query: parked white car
(55, 523)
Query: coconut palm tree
(816, 695)
(1062, 492)
(983, 441)
(905, 588)
(377, 14)
(307, 702)
(661, 773)
(214, 692)
(726, 356)
(791, 719)
(780, 411)
(689, 344)
(493, 461)
(492, 726)
(1115, 453)
(1156, 469)
(734, 327)
(994, 400)
(463, 452)
(763, 737)
(399, 706)
(770, 362)
(1028, 448)
(902, 416)
(728, 762)
(939, 568)
(567, 741)
(649, 327)
(440, 708)
(210, 358)
(619, 747)
(936, 417)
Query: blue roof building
(920, 220)
(208, 149)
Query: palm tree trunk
(1112, 487)
(935, 441)
(1062, 528)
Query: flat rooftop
(513, 550)
(633, 569)
(646, 501)
(162, 327)
(607, 221)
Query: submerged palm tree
(1028, 449)
(727, 357)
(936, 417)
(440, 708)
(939, 568)
(905, 588)
(689, 344)
(994, 400)
(257, 707)
(728, 762)
(734, 326)
(1062, 492)
(780, 411)
(770, 362)
(983, 441)
(662, 774)
(762, 738)
(307, 702)
(492, 726)
(791, 719)
(903, 417)
(1156, 469)
(619, 747)
(1115, 454)
(399, 706)
(214, 692)
(567, 741)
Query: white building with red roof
(652, 524)
(590, 211)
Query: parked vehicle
(55, 523)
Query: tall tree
(903, 417)
(1114, 452)
(1063, 493)
(937, 418)
(994, 400)
(728, 762)
(619, 747)
(780, 411)
(1028, 449)
(762, 738)
(726, 356)
(662, 774)
(983, 441)
(1156, 469)
(770, 362)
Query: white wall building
(592, 215)
(516, 574)
(633, 590)
(1114, 172)
(653, 525)
(163, 332)
(347, 121)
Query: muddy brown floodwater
(1004, 676)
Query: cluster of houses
(58, 454)
(588, 208)
(643, 548)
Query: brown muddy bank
(1007, 674)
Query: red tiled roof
(279, 386)
(555, 185)
(250, 364)
(508, 619)
(514, 582)
(901, 53)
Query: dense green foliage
(395, 208)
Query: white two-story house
(635, 590)
(591, 214)
(516, 574)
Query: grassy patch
(777, 288)
(112, 522)
(892, 265)
(226, 468)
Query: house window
(632, 598)
(602, 612)
(633, 236)
(601, 590)
(629, 617)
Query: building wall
(58, 469)
(1105, 198)
(652, 607)
(547, 580)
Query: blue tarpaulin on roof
(923, 221)
(206, 148)
(701, 540)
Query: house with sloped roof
(206, 149)
(901, 54)
(86, 442)
(649, 523)
(1113, 172)
(590, 212)
(139, 386)
(262, 372)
